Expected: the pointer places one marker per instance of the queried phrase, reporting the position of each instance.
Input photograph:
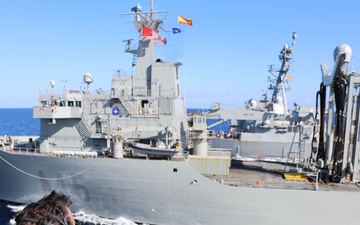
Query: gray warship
(87, 142)
(267, 129)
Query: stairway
(84, 127)
(123, 106)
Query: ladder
(124, 107)
(299, 153)
(84, 127)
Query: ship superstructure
(147, 106)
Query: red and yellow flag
(183, 20)
(288, 78)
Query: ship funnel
(343, 49)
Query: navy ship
(267, 129)
(125, 153)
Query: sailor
(160, 144)
(52, 209)
(177, 145)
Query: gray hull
(166, 192)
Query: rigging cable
(52, 178)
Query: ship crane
(337, 151)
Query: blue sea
(20, 122)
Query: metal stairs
(123, 106)
(84, 127)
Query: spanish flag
(288, 78)
(183, 20)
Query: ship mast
(144, 53)
(285, 56)
(151, 7)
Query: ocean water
(20, 122)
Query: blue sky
(225, 54)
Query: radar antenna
(128, 43)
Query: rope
(178, 193)
(45, 178)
